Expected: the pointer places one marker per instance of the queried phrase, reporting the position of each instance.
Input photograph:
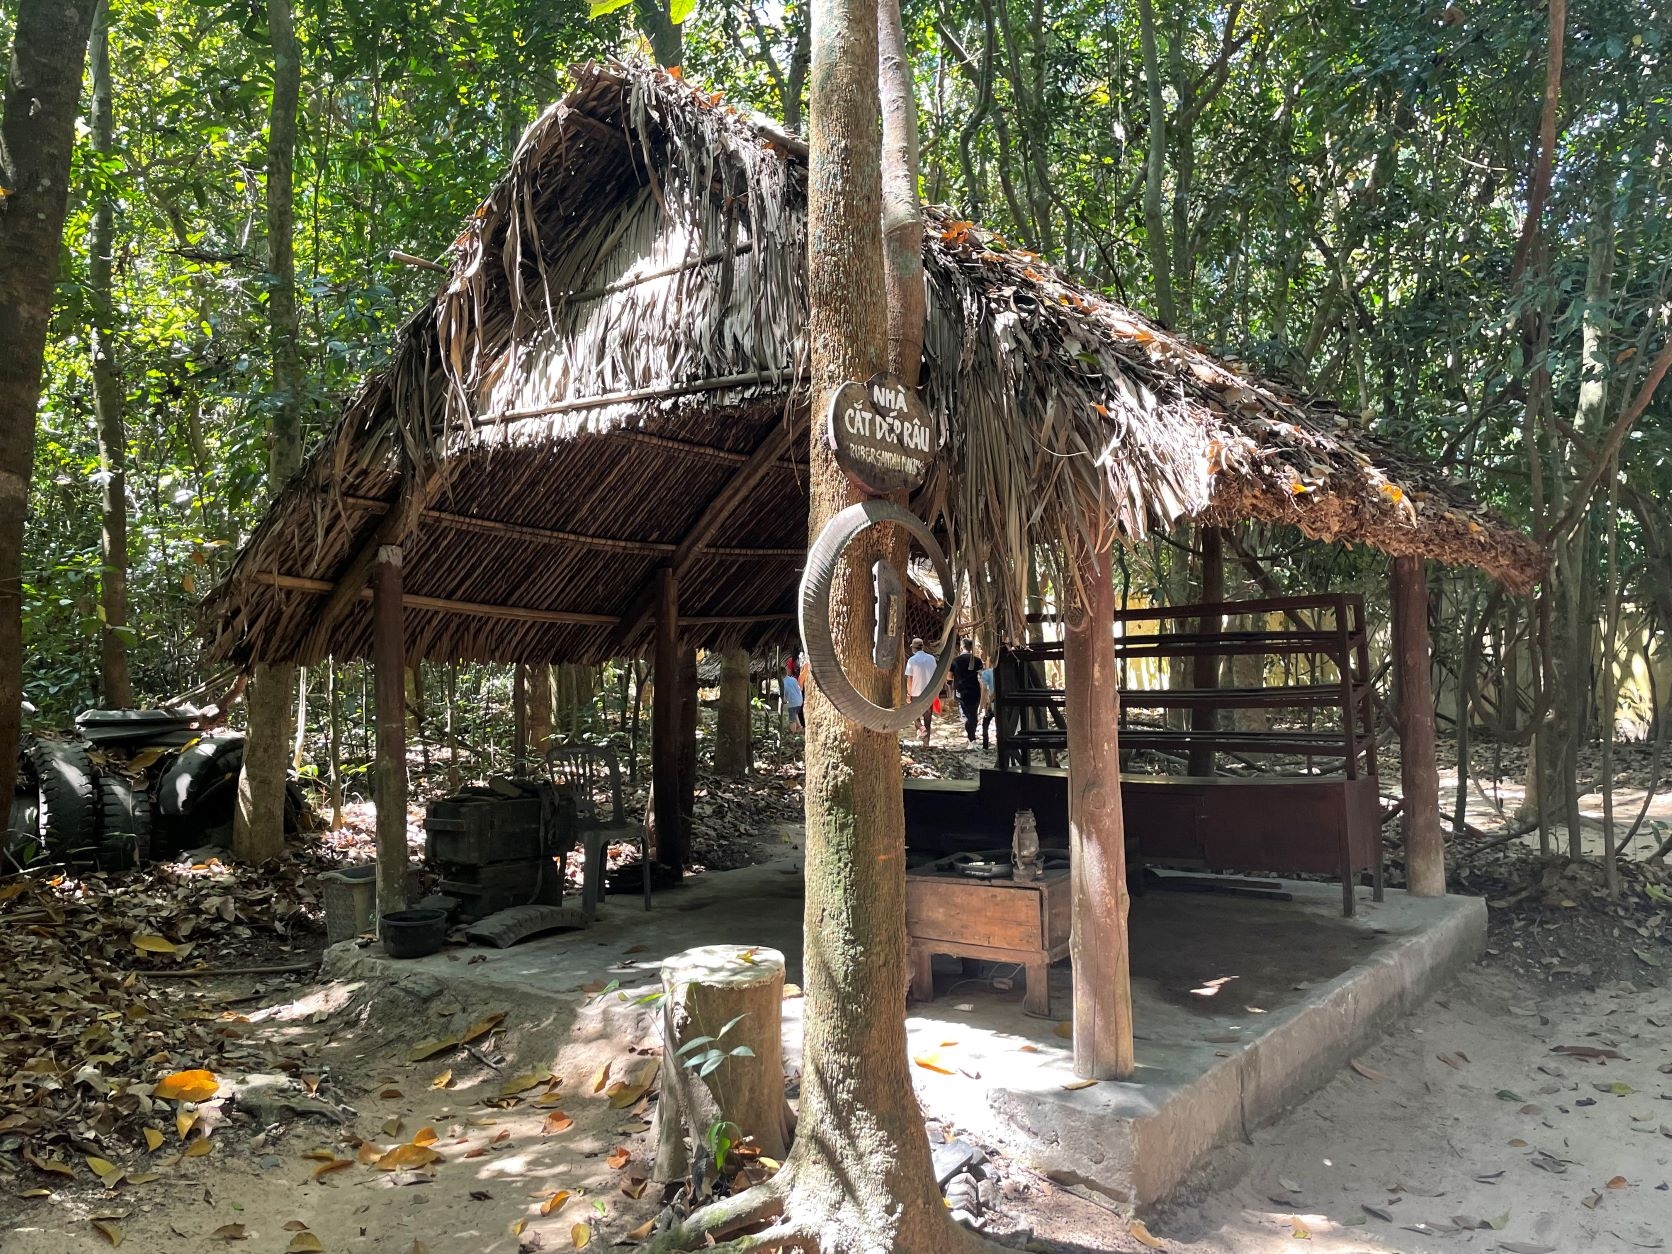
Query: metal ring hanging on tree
(824, 564)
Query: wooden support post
(1425, 848)
(1205, 669)
(689, 717)
(1097, 834)
(519, 719)
(388, 658)
(665, 725)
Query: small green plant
(722, 1135)
(705, 1062)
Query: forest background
(1453, 219)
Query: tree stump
(734, 995)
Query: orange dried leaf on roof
(956, 232)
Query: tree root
(774, 1200)
(720, 1218)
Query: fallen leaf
(148, 1177)
(600, 1078)
(1525, 1247)
(482, 1027)
(184, 1122)
(104, 1169)
(198, 1148)
(304, 1242)
(1377, 1212)
(581, 1236)
(230, 1232)
(336, 1164)
(1299, 1230)
(408, 1157)
(1369, 1073)
(634, 1186)
(625, 1095)
(425, 1136)
(1065, 1030)
(1079, 1084)
(643, 1230)
(521, 1083)
(1618, 1182)
(429, 1049)
(187, 1086)
(1510, 1095)
(556, 1121)
(1145, 1237)
(444, 1080)
(150, 943)
(391, 1095)
(619, 1157)
(517, 1226)
(153, 1138)
(931, 1062)
(555, 1202)
(108, 1230)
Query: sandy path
(1516, 1135)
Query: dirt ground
(1527, 1109)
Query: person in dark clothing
(966, 685)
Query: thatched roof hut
(611, 380)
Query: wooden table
(993, 920)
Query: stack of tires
(65, 810)
(115, 811)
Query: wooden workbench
(992, 920)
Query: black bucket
(413, 933)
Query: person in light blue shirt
(789, 688)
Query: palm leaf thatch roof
(612, 380)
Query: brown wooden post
(1205, 669)
(689, 718)
(1425, 848)
(388, 660)
(1097, 835)
(519, 719)
(665, 726)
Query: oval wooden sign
(883, 437)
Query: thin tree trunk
(537, 693)
(334, 747)
(37, 130)
(858, 1177)
(258, 825)
(731, 727)
(116, 688)
(1610, 694)
(1155, 168)
(667, 42)
(298, 747)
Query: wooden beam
(300, 583)
(665, 724)
(787, 378)
(779, 440)
(1096, 835)
(1425, 845)
(479, 609)
(388, 662)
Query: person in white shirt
(920, 673)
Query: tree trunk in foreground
(388, 652)
(731, 728)
(858, 1177)
(37, 130)
(115, 686)
(1425, 845)
(258, 826)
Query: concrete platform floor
(1241, 1007)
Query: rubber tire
(196, 769)
(124, 821)
(824, 562)
(64, 779)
